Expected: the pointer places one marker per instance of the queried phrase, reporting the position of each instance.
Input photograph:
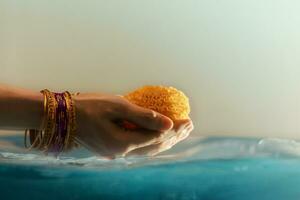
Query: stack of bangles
(58, 128)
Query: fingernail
(167, 123)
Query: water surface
(199, 168)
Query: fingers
(169, 144)
(154, 149)
(143, 138)
(144, 141)
(181, 124)
(146, 118)
(130, 140)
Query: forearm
(20, 108)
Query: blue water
(209, 169)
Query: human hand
(180, 131)
(98, 129)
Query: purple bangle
(61, 124)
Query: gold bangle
(46, 138)
(70, 142)
(50, 125)
(35, 136)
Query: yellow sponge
(166, 100)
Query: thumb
(147, 118)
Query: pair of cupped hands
(99, 131)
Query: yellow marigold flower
(166, 100)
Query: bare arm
(20, 108)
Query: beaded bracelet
(58, 128)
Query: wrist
(36, 109)
(79, 110)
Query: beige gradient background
(237, 60)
